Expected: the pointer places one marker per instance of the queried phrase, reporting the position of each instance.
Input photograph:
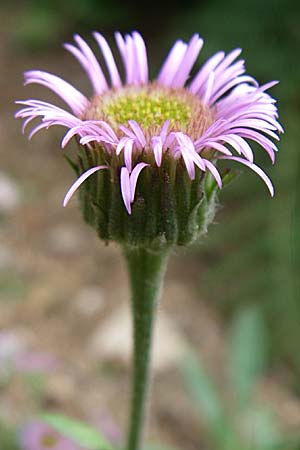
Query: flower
(39, 436)
(35, 362)
(173, 127)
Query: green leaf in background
(209, 402)
(79, 432)
(203, 390)
(261, 430)
(248, 352)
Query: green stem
(146, 273)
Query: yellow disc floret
(150, 106)
(147, 108)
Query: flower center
(49, 440)
(150, 106)
(147, 109)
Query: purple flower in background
(39, 436)
(108, 427)
(175, 119)
(15, 355)
(35, 362)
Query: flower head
(155, 145)
(39, 436)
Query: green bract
(169, 208)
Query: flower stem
(146, 273)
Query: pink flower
(35, 362)
(39, 436)
(139, 123)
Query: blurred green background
(251, 258)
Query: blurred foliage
(238, 421)
(8, 438)
(267, 31)
(80, 432)
(45, 23)
(252, 256)
(12, 285)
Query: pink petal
(75, 99)
(172, 63)
(125, 188)
(205, 70)
(188, 61)
(230, 85)
(134, 177)
(79, 181)
(255, 168)
(239, 144)
(92, 66)
(213, 170)
(217, 146)
(141, 57)
(268, 85)
(189, 163)
(121, 44)
(37, 129)
(138, 132)
(208, 88)
(69, 135)
(109, 60)
(189, 154)
(130, 61)
(228, 60)
(121, 145)
(123, 47)
(164, 130)
(253, 123)
(51, 115)
(26, 122)
(157, 146)
(128, 154)
(108, 129)
(128, 132)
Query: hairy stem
(146, 273)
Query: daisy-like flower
(155, 145)
(39, 436)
